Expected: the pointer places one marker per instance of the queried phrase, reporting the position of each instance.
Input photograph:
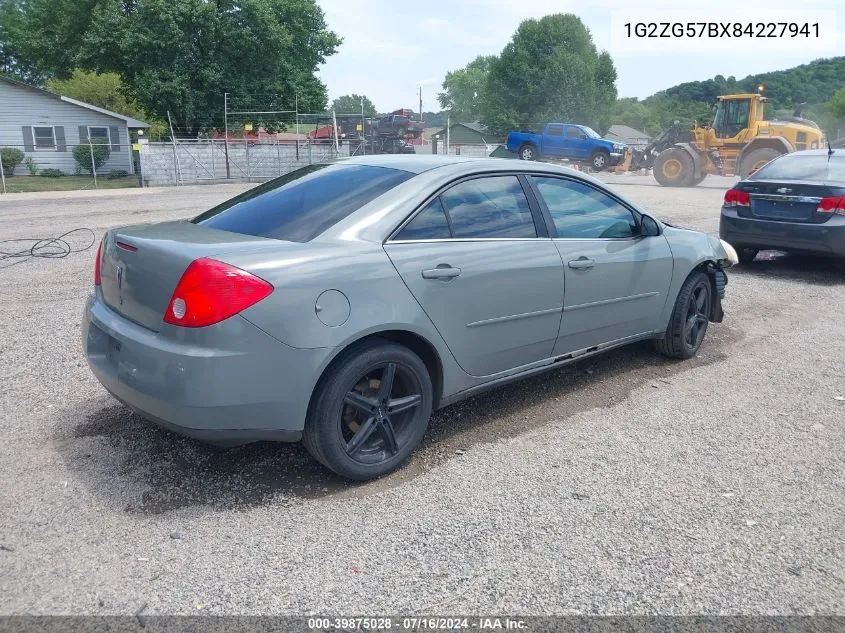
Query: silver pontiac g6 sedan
(340, 304)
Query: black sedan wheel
(690, 318)
(370, 411)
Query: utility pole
(334, 127)
(177, 172)
(421, 103)
(226, 131)
(363, 130)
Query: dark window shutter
(28, 142)
(61, 143)
(114, 134)
(83, 134)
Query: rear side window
(429, 224)
(488, 207)
(301, 205)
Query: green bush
(82, 156)
(11, 158)
(31, 165)
(115, 174)
(52, 173)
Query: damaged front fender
(718, 281)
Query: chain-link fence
(51, 164)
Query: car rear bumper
(230, 383)
(819, 239)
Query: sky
(392, 48)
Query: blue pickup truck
(564, 140)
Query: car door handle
(582, 263)
(443, 271)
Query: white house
(46, 127)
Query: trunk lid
(141, 265)
(786, 201)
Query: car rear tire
(369, 411)
(690, 317)
(600, 161)
(754, 160)
(527, 152)
(673, 168)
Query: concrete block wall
(197, 162)
(473, 151)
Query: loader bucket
(625, 165)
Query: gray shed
(47, 126)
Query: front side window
(299, 206)
(489, 207)
(428, 224)
(44, 137)
(581, 212)
(573, 132)
(99, 135)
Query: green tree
(13, 60)
(351, 104)
(181, 56)
(103, 90)
(836, 105)
(463, 90)
(551, 70)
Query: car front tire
(369, 411)
(527, 152)
(690, 318)
(600, 161)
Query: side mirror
(583, 137)
(649, 226)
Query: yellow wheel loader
(739, 142)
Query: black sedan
(795, 203)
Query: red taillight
(211, 291)
(97, 265)
(833, 204)
(735, 197)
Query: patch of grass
(18, 184)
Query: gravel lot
(631, 484)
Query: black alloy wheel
(377, 417)
(370, 410)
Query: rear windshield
(813, 167)
(298, 206)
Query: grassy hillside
(811, 83)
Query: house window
(45, 137)
(99, 135)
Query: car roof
(818, 152)
(457, 165)
(376, 219)
(414, 164)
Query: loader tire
(674, 168)
(755, 159)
